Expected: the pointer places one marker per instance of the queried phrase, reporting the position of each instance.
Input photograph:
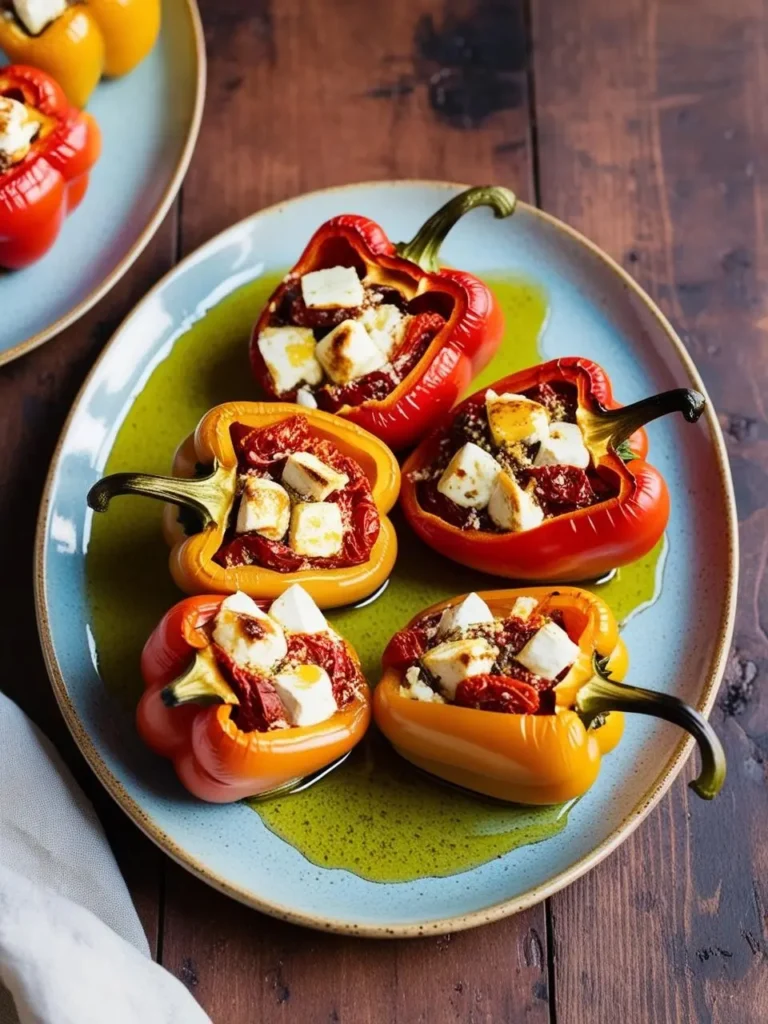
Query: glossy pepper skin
(459, 351)
(192, 557)
(589, 542)
(91, 39)
(37, 193)
(539, 758)
(214, 759)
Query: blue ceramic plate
(678, 641)
(147, 146)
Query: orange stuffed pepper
(290, 496)
(249, 699)
(516, 694)
(78, 43)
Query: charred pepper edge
(601, 694)
(424, 247)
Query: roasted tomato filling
(301, 504)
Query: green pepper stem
(210, 497)
(600, 695)
(424, 247)
(201, 683)
(610, 427)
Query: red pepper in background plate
(40, 185)
(576, 543)
(456, 328)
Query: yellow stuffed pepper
(78, 43)
(515, 694)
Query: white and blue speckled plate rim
(155, 218)
(560, 879)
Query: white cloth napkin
(72, 949)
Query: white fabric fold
(72, 949)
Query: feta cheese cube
(248, 635)
(469, 612)
(307, 694)
(548, 652)
(305, 397)
(415, 688)
(312, 478)
(348, 352)
(564, 447)
(513, 418)
(35, 15)
(524, 607)
(386, 325)
(449, 663)
(290, 355)
(334, 288)
(512, 508)
(295, 610)
(469, 477)
(264, 507)
(316, 529)
(17, 130)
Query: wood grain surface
(642, 124)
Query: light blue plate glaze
(678, 644)
(149, 122)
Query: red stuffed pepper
(543, 476)
(248, 699)
(47, 149)
(377, 332)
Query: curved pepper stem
(202, 683)
(602, 694)
(424, 247)
(608, 429)
(210, 497)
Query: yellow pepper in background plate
(85, 42)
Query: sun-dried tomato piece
(497, 693)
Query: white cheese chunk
(548, 652)
(469, 477)
(312, 478)
(295, 610)
(564, 447)
(17, 130)
(264, 507)
(305, 397)
(36, 14)
(248, 635)
(348, 352)
(289, 353)
(415, 688)
(386, 325)
(524, 607)
(306, 693)
(451, 662)
(469, 612)
(514, 418)
(512, 508)
(316, 529)
(334, 288)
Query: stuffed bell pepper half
(249, 699)
(377, 332)
(78, 41)
(516, 694)
(271, 494)
(543, 476)
(47, 149)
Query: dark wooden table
(642, 123)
